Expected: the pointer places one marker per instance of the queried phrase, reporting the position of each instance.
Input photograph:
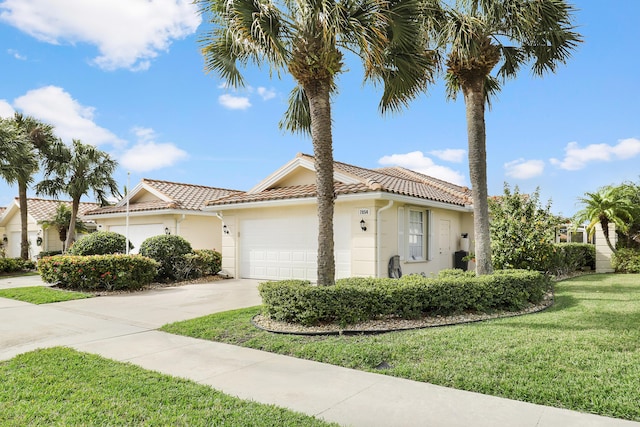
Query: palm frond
(297, 118)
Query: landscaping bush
(43, 254)
(208, 262)
(100, 243)
(16, 265)
(626, 261)
(98, 272)
(170, 251)
(360, 299)
(570, 257)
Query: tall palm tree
(478, 36)
(23, 140)
(608, 205)
(76, 171)
(308, 39)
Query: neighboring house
(160, 207)
(270, 232)
(38, 210)
(2, 233)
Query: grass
(582, 354)
(60, 386)
(41, 294)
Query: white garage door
(138, 233)
(286, 248)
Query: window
(416, 235)
(414, 228)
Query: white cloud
(417, 161)
(450, 155)
(127, 33)
(577, 158)
(147, 155)
(51, 104)
(6, 110)
(234, 102)
(524, 169)
(266, 94)
(16, 54)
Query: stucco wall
(381, 223)
(603, 252)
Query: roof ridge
(187, 184)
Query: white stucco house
(270, 231)
(40, 239)
(157, 207)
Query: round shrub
(100, 243)
(170, 251)
(208, 261)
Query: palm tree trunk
(604, 223)
(320, 111)
(24, 234)
(473, 90)
(71, 231)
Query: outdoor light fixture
(4, 238)
(167, 231)
(225, 229)
(363, 225)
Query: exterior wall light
(363, 225)
(225, 229)
(4, 238)
(167, 231)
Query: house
(40, 239)
(270, 232)
(156, 207)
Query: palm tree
(24, 140)
(61, 222)
(308, 39)
(608, 205)
(479, 35)
(76, 171)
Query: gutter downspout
(379, 236)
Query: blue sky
(127, 76)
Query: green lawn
(581, 354)
(60, 386)
(41, 294)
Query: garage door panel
(286, 248)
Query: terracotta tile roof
(44, 210)
(179, 196)
(395, 180)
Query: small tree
(608, 205)
(61, 222)
(522, 230)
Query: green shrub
(170, 252)
(360, 299)
(43, 254)
(570, 257)
(100, 243)
(207, 262)
(98, 272)
(16, 265)
(626, 261)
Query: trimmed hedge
(98, 272)
(100, 243)
(570, 257)
(626, 261)
(171, 252)
(16, 265)
(356, 300)
(208, 262)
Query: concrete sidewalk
(122, 327)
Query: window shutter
(401, 242)
(430, 239)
